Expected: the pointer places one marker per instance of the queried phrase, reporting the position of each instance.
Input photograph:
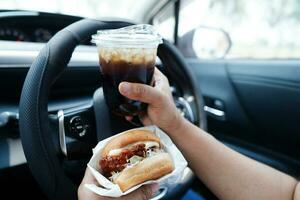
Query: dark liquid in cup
(116, 71)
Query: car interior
(233, 72)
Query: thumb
(143, 193)
(140, 92)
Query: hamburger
(133, 158)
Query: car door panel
(270, 92)
(270, 95)
(215, 85)
(261, 103)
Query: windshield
(127, 9)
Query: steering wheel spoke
(76, 131)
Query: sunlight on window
(128, 9)
(164, 22)
(258, 28)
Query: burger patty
(117, 163)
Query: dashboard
(32, 26)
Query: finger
(158, 74)
(128, 118)
(140, 92)
(143, 193)
(161, 82)
(145, 119)
(88, 177)
(83, 192)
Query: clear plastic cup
(126, 54)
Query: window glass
(164, 22)
(261, 29)
(127, 9)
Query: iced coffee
(126, 54)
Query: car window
(164, 22)
(259, 29)
(128, 9)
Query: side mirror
(205, 43)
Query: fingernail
(154, 188)
(125, 88)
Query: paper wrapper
(110, 189)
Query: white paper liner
(110, 189)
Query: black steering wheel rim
(37, 138)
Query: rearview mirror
(205, 43)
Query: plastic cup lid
(131, 36)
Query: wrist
(178, 125)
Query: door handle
(215, 113)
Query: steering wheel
(55, 142)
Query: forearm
(227, 173)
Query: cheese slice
(148, 144)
